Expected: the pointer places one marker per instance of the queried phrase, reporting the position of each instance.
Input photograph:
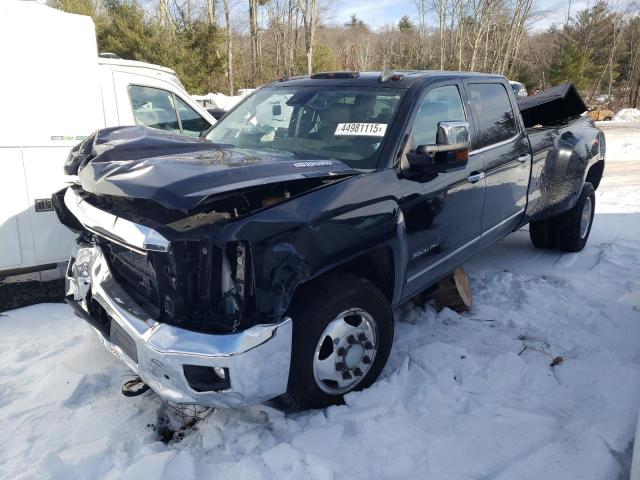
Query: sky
(382, 12)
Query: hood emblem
(314, 163)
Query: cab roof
(385, 79)
(121, 62)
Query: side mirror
(451, 150)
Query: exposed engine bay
(239, 204)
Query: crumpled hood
(179, 172)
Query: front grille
(136, 274)
(197, 286)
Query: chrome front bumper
(257, 359)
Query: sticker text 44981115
(361, 129)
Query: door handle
(476, 177)
(524, 158)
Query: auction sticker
(361, 129)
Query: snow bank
(221, 101)
(463, 396)
(627, 115)
(623, 140)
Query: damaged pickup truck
(265, 259)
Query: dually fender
(559, 175)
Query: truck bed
(554, 106)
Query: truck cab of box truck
(57, 90)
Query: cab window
(442, 104)
(155, 108)
(494, 115)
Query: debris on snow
(556, 361)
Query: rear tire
(543, 234)
(318, 313)
(574, 226)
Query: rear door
(501, 141)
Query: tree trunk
(163, 13)
(422, 31)
(211, 11)
(255, 50)
(309, 18)
(229, 46)
(442, 19)
(486, 50)
(460, 33)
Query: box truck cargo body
(56, 91)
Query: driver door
(443, 222)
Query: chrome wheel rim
(585, 221)
(345, 352)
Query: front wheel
(342, 336)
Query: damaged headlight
(80, 270)
(78, 155)
(82, 265)
(234, 279)
(206, 287)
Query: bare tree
(228, 45)
(211, 11)
(483, 11)
(309, 10)
(163, 14)
(421, 7)
(255, 46)
(441, 11)
(458, 19)
(292, 37)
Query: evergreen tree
(188, 46)
(406, 25)
(580, 47)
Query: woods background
(222, 45)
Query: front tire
(342, 337)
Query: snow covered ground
(622, 140)
(463, 397)
(627, 115)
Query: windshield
(342, 123)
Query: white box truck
(56, 91)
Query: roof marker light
(335, 75)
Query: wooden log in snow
(453, 291)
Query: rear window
(495, 118)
